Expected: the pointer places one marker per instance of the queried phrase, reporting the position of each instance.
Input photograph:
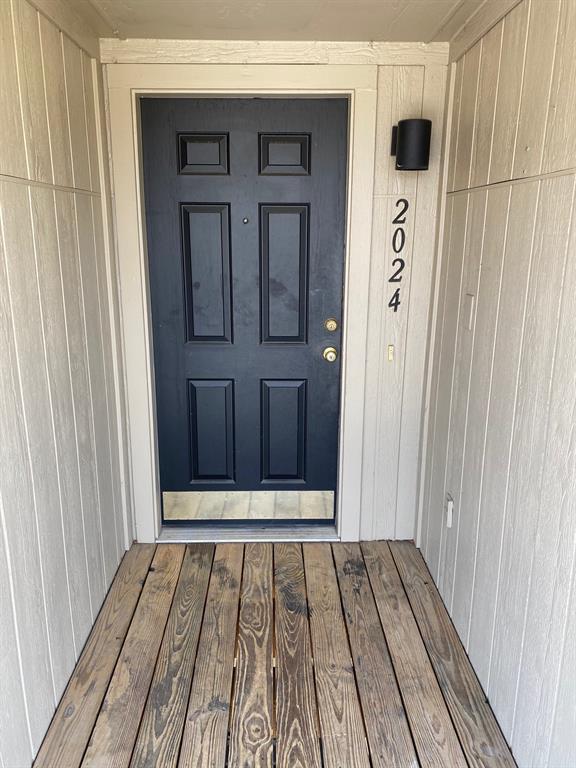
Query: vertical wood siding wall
(503, 406)
(61, 497)
(394, 387)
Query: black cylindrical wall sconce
(411, 144)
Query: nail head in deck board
(342, 727)
(252, 725)
(74, 720)
(298, 743)
(117, 725)
(481, 738)
(160, 733)
(206, 726)
(386, 724)
(432, 729)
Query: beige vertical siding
(61, 496)
(503, 405)
(394, 387)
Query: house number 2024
(398, 244)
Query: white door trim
(126, 83)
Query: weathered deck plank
(386, 724)
(432, 729)
(296, 714)
(160, 734)
(206, 727)
(74, 720)
(480, 736)
(342, 727)
(252, 725)
(116, 728)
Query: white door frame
(126, 84)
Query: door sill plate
(246, 533)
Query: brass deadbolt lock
(331, 324)
(330, 354)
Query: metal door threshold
(247, 533)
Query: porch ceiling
(379, 20)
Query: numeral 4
(394, 302)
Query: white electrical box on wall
(449, 510)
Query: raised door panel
(203, 153)
(284, 154)
(283, 430)
(284, 272)
(206, 256)
(211, 411)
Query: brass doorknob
(330, 354)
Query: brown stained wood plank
(298, 744)
(481, 738)
(432, 729)
(158, 742)
(341, 723)
(74, 720)
(117, 725)
(386, 724)
(206, 726)
(252, 726)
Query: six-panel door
(245, 210)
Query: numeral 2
(400, 217)
(396, 277)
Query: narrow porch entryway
(261, 655)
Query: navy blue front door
(245, 210)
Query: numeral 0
(398, 240)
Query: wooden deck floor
(286, 655)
